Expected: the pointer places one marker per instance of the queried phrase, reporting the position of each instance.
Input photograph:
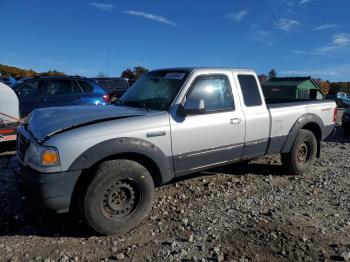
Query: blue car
(51, 91)
(10, 81)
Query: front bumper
(52, 190)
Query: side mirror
(194, 107)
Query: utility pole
(107, 62)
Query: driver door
(214, 137)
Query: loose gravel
(253, 212)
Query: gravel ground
(255, 212)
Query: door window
(216, 92)
(63, 87)
(33, 88)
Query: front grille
(22, 146)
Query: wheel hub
(303, 153)
(119, 199)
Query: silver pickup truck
(105, 161)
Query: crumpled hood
(46, 122)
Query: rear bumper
(8, 134)
(52, 190)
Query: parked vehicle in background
(105, 161)
(114, 86)
(9, 116)
(53, 91)
(341, 99)
(346, 121)
(8, 80)
(344, 99)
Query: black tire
(302, 154)
(347, 130)
(118, 198)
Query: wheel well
(145, 161)
(88, 174)
(316, 130)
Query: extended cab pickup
(105, 161)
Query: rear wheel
(118, 198)
(303, 153)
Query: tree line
(133, 74)
(12, 71)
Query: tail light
(335, 115)
(106, 98)
(7, 131)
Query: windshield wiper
(133, 104)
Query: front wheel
(303, 153)
(118, 198)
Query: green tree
(134, 74)
(272, 73)
(140, 71)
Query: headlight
(44, 156)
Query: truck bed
(285, 112)
(277, 102)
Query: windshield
(155, 91)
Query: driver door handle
(235, 121)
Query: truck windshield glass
(155, 91)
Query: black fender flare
(305, 119)
(126, 145)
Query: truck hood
(46, 122)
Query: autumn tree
(324, 85)
(7, 71)
(336, 87)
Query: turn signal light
(50, 158)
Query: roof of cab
(191, 69)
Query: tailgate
(8, 133)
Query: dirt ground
(256, 212)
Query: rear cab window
(250, 90)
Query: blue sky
(297, 37)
